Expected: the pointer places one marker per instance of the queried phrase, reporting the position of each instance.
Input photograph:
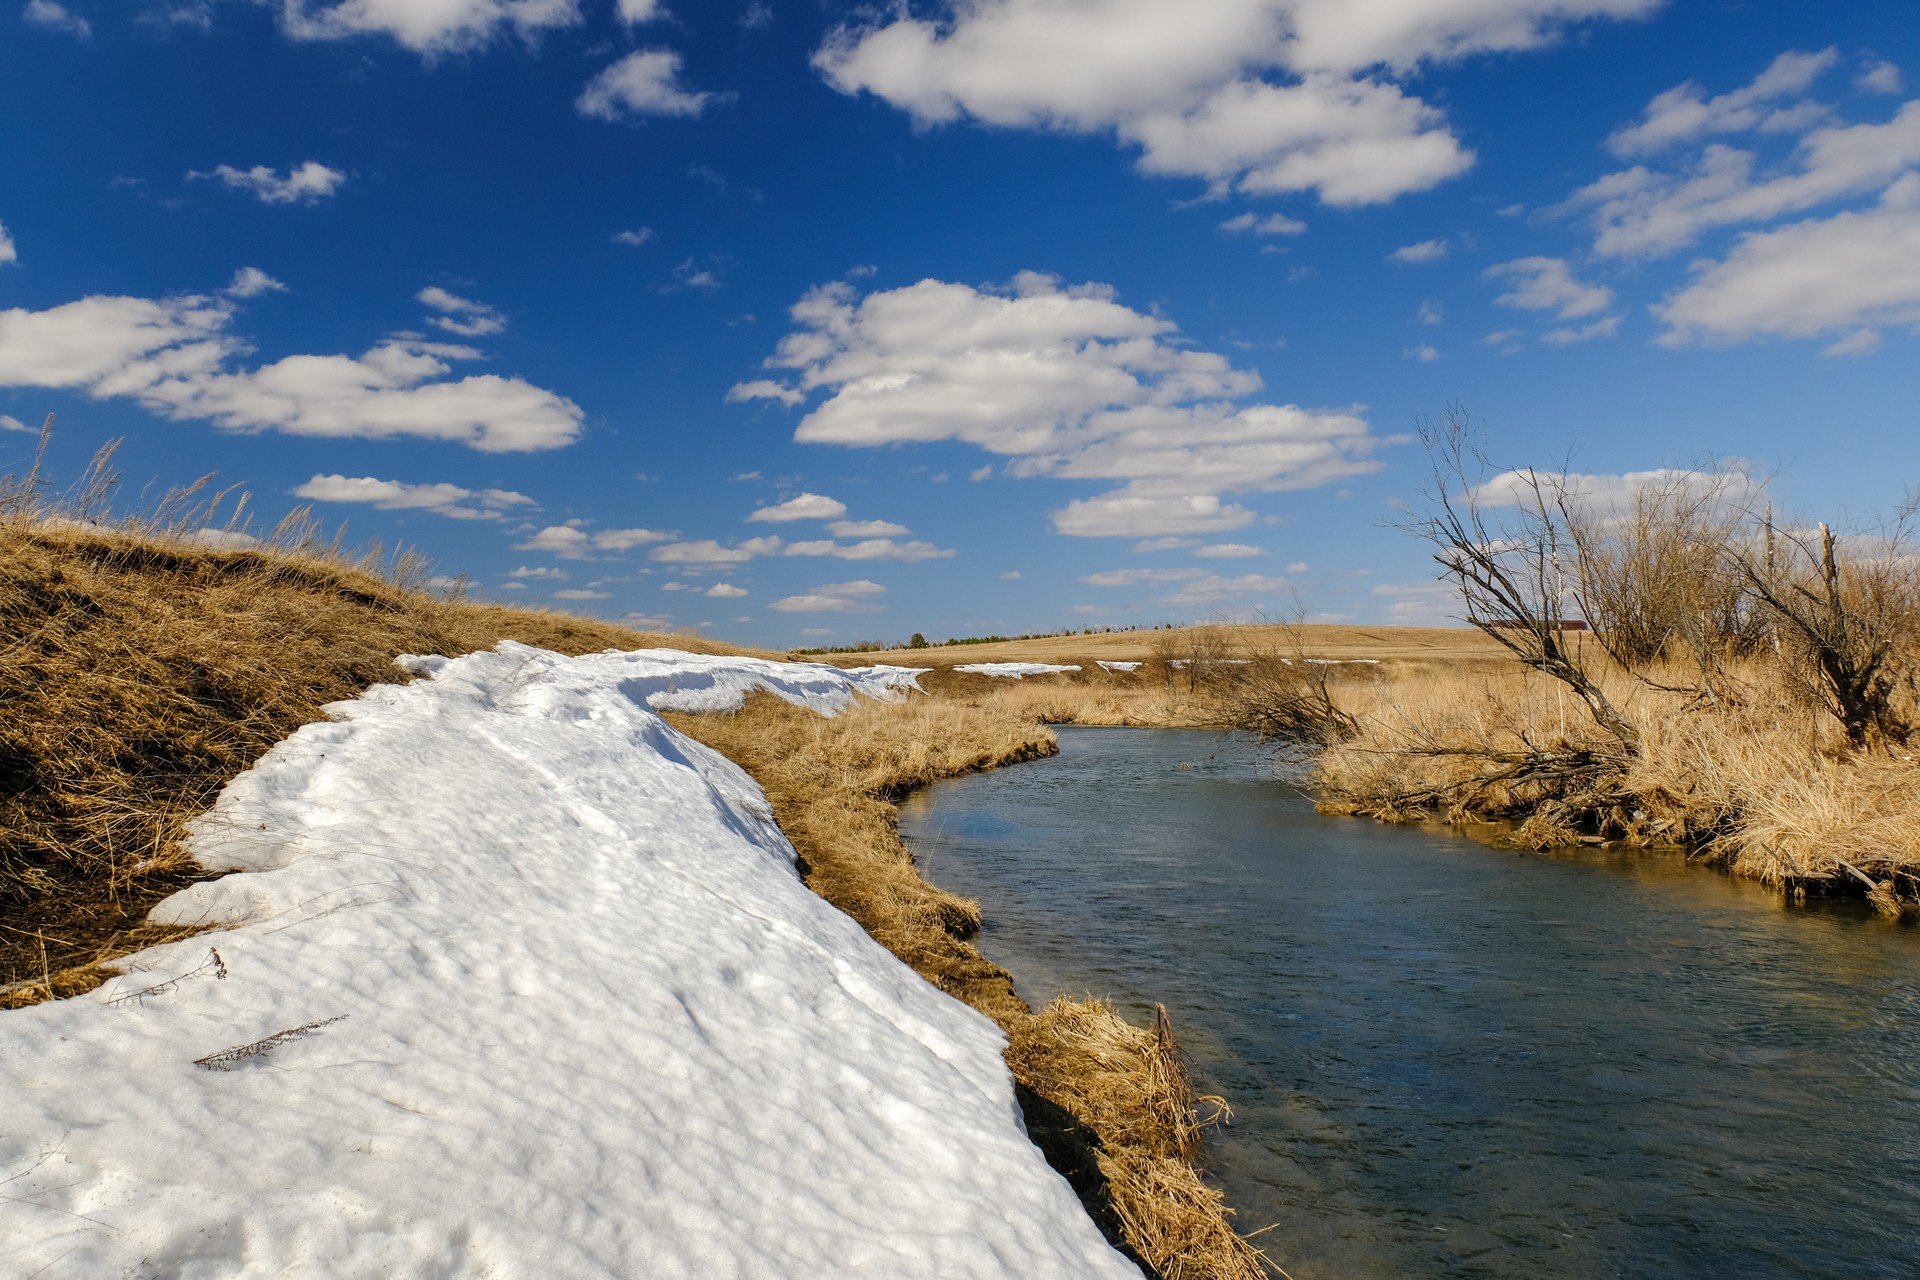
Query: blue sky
(810, 323)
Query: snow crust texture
(1013, 670)
(516, 981)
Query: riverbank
(1443, 725)
(155, 662)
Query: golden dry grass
(1432, 644)
(1106, 1101)
(140, 671)
(1764, 785)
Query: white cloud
(307, 184)
(637, 11)
(869, 549)
(765, 389)
(1608, 492)
(1011, 575)
(1262, 95)
(1547, 284)
(1641, 212)
(867, 529)
(1425, 251)
(1067, 383)
(635, 237)
(543, 571)
(1424, 353)
(1274, 224)
(1140, 577)
(1879, 76)
(7, 252)
(392, 495)
(837, 597)
(1683, 112)
(1420, 604)
(172, 356)
(644, 83)
(571, 542)
(1121, 514)
(1429, 313)
(1228, 551)
(1568, 335)
(691, 275)
(1147, 546)
(806, 506)
(582, 593)
(706, 553)
(1854, 270)
(1213, 589)
(725, 591)
(433, 27)
(252, 282)
(461, 315)
(1861, 342)
(57, 17)
(10, 423)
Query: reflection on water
(1450, 1061)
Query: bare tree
(1512, 575)
(1848, 622)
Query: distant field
(1426, 644)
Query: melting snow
(1015, 670)
(519, 982)
(1121, 666)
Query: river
(1449, 1060)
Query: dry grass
(1106, 1101)
(1430, 644)
(141, 670)
(1765, 785)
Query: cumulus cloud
(806, 506)
(1228, 551)
(1259, 95)
(442, 26)
(1547, 284)
(637, 11)
(1424, 251)
(57, 17)
(1771, 102)
(1067, 383)
(461, 315)
(1854, 271)
(582, 593)
(1211, 589)
(174, 357)
(1643, 211)
(867, 529)
(307, 184)
(857, 596)
(1879, 76)
(634, 237)
(543, 571)
(644, 83)
(392, 495)
(869, 549)
(724, 591)
(252, 282)
(1274, 224)
(1425, 353)
(572, 542)
(707, 553)
(7, 252)
(1140, 577)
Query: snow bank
(1015, 670)
(1121, 666)
(520, 982)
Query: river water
(1447, 1060)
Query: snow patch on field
(1013, 670)
(1121, 666)
(516, 981)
